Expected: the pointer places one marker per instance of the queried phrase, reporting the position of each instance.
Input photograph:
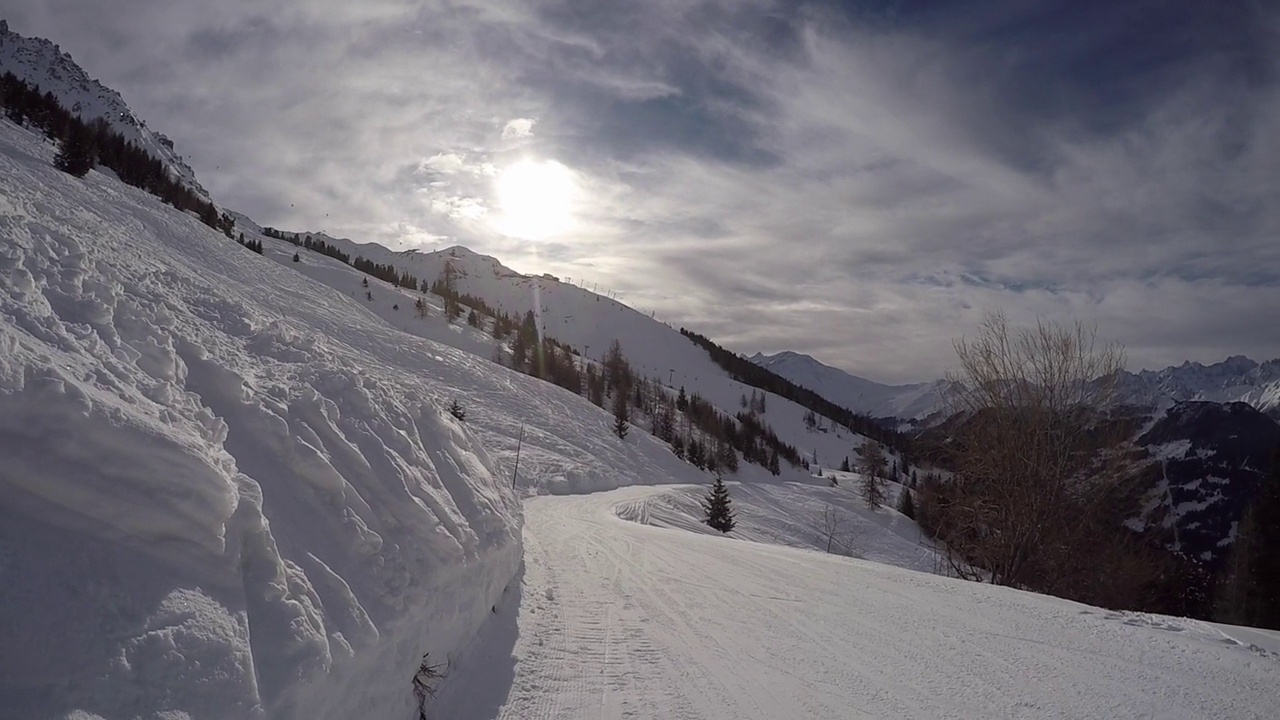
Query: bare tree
(1040, 467)
(871, 465)
(835, 531)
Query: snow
(618, 619)
(226, 491)
(574, 315)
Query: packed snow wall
(225, 490)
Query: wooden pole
(519, 443)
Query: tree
(1249, 588)
(844, 466)
(473, 319)
(906, 505)
(1042, 476)
(455, 409)
(76, 152)
(832, 527)
(716, 510)
(682, 400)
(871, 465)
(621, 420)
(774, 466)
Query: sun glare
(535, 198)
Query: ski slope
(586, 321)
(230, 491)
(615, 619)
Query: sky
(859, 181)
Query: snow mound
(227, 492)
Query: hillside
(573, 315)
(40, 62)
(859, 394)
(252, 473)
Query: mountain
(859, 394)
(1209, 460)
(1236, 379)
(40, 62)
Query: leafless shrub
(1042, 474)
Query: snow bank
(225, 490)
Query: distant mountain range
(1236, 379)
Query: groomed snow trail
(615, 619)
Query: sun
(536, 199)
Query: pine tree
(906, 505)
(76, 153)
(872, 466)
(844, 466)
(682, 400)
(455, 409)
(621, 423)
(774, 466)
(716, 509)
(1249, 589)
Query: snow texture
(615, 619)
(226, 491)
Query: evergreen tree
(872, 466)
(774, 466)
(682, 400)
(906, 505)
(844, 466)
(76, 153)
(716, 509)
(1249, 590)
(455, 409)
(621, 421)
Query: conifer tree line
(696, 431)
(82, 146)
(747, 372)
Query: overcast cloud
(859, 181)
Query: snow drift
(226, 491)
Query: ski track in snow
(617, 619)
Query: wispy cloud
(860, 181)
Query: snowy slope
(859, 394)
(229, 490)
(40, 62)
(615, 619)
(574, 315)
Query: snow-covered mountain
(859, 394)
(1236, 379)
(40, 62)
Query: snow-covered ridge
(226, 491)
(1236, 379)
(40, 62)
(859, 394)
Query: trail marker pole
(516, 471)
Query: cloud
(518, 128)
(858, 181)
